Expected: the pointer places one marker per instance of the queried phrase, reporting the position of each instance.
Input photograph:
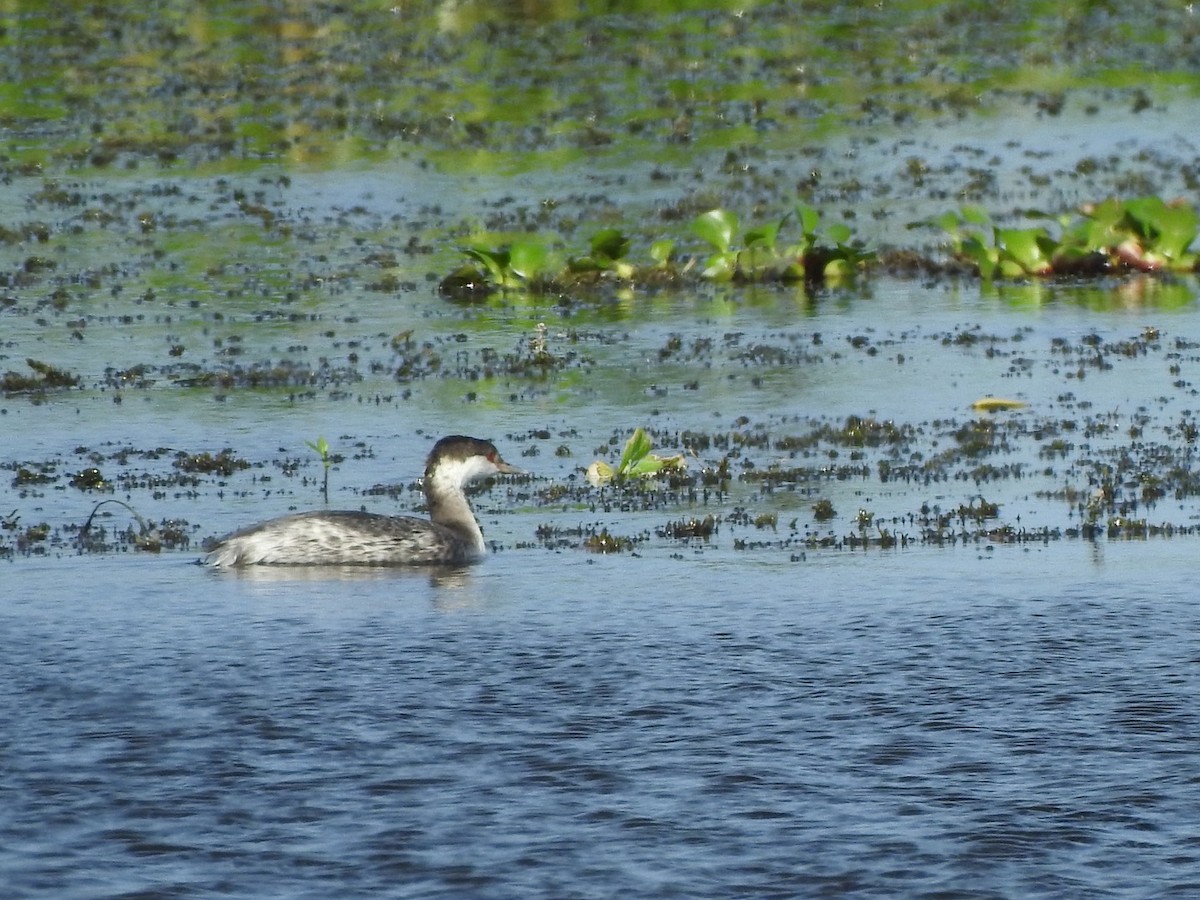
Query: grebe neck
(447, 501)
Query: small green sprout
(321, 448)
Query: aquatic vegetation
(90, 479)
(637, 461)
(685, 529)
(823, 510)
(1143, 234)
(820, 253)
(609, 247)
(224, 463)
(514, 265)
(151, 537)
(997, 404)
(604, 541)
(45, 377)
(321, 448)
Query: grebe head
(457, 461)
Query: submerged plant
(637, 461)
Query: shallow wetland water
(872, 640)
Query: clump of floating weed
(689, 528)
(150, 537)
(90, 479)
(605, 542)
(45, 377)
(224, 463)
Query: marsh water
(871, 640)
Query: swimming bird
(450, 537)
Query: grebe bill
(451, 536)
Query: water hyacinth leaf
(1105, 225)
(1029, 248)
(976, 215)
(636, 449)
(527, 258)
(494, 261)
(762, 236)
(661, 251)
(609, 245)
(716, 228)
(647, 466)
(720, 267)
(1170, 228)
(1145, 214)
(839, 234)
(949, 222)
(809, 218)
(838, 269)
(984, 257)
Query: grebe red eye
(491, 457)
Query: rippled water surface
(1003, 723)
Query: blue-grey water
(970, 722)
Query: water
(280, 191)
(1003, 722)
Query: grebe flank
(450, 537)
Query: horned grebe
(346, 538)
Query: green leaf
(527, 258)
(949, 222)
(809, 218)
(650, 465)
(609, 244)
(1170, 227)
(321, 448)
(720, 267)
(495, 261)
(839, 234)
(976, 215)
(717, 227)
(1029, 248)
(660, 251)
(762, 237)
(636, 448)
(985, 258)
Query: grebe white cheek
(451, 535)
